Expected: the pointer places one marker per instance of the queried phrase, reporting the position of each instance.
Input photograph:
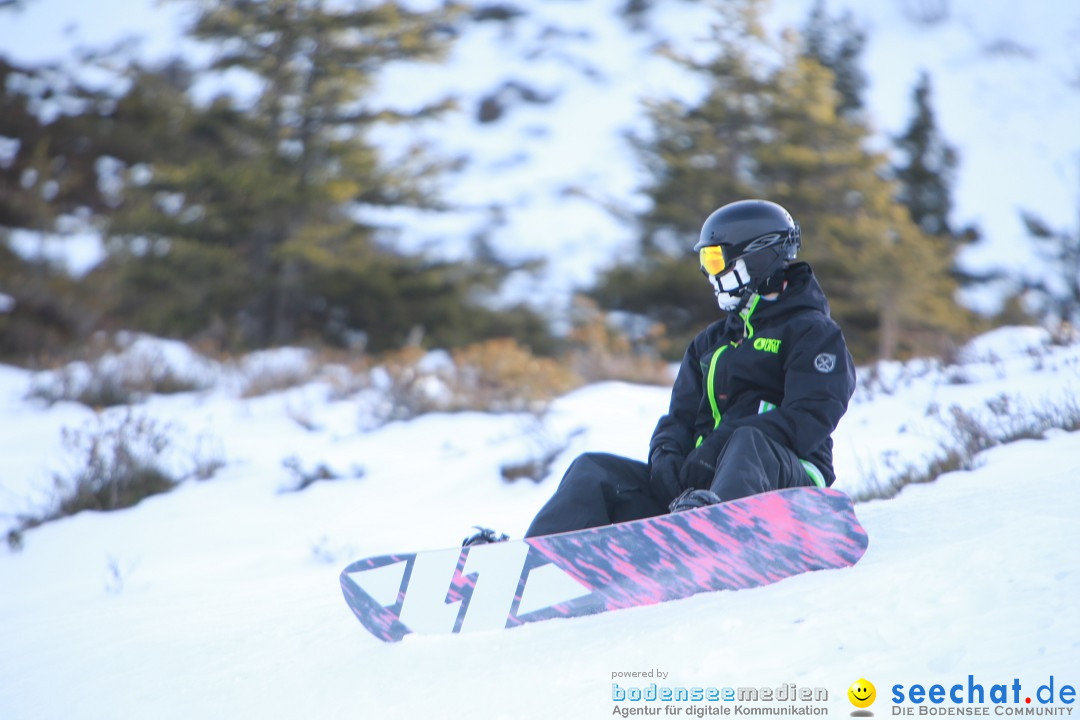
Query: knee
(604, 470)
(585, 461)
(746, 435)
(591, 459)
(584, 468)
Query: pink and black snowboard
(736, 545)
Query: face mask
(730, 286)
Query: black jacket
(782, 367)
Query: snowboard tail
(736, 545)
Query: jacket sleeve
(819, 380)
(675, 431)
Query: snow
(221, 598)
(76, 253)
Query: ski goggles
(712, 259)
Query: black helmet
(760, 233)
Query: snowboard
(736, 545)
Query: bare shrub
(345, 376)
(602, 350)
(948, 459)
(115, 463)
(925, 13)
(113, 371)
(410, 385)
(303, 478)
(207, 457)
(501, 376)
(271, 371)
(492, 376)
(968, 433)
(545, 449)
(118, 465)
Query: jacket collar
(801, 293)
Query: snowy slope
(554, 176)
(543, 180)
(221, 599)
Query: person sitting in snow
(755, 401)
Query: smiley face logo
(862, 693)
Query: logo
(825, 362)
(762, 242)
(1006, 699)
(862, 694)
(767, 345)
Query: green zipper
(711, 383)
(745, 314)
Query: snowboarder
(756, 398)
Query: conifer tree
(926, 170)
(698, 157)
(699, 154)
(837, 43)
(1058, 290)
(777, 131)
(888, 284)
(263, 195)
(48, 182)
(49, 152)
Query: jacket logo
(825, 362)
(767, 345)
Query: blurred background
(525, 179)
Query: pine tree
(698, 155)
(1058, 291)
(926, 170)
(48, 163)
(837, 43)
(888, 284)
(48, 182)
(698, 158)
(260, 202)
(778, 132)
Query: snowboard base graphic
(732, 546)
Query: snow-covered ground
(221, 598)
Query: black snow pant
(601, 489)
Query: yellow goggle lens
(712, 259)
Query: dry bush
(603, 351)
(1001, 420)
(304, 477)
(115, 463)
(270, 371)
(118, 465)
(345, 373)
(491, 376)
(545, 449)
(115, 370)
(410, 385)
(501, 376)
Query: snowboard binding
(484, 536)
(693, 499)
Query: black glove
(664, 467)
(698, 471)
